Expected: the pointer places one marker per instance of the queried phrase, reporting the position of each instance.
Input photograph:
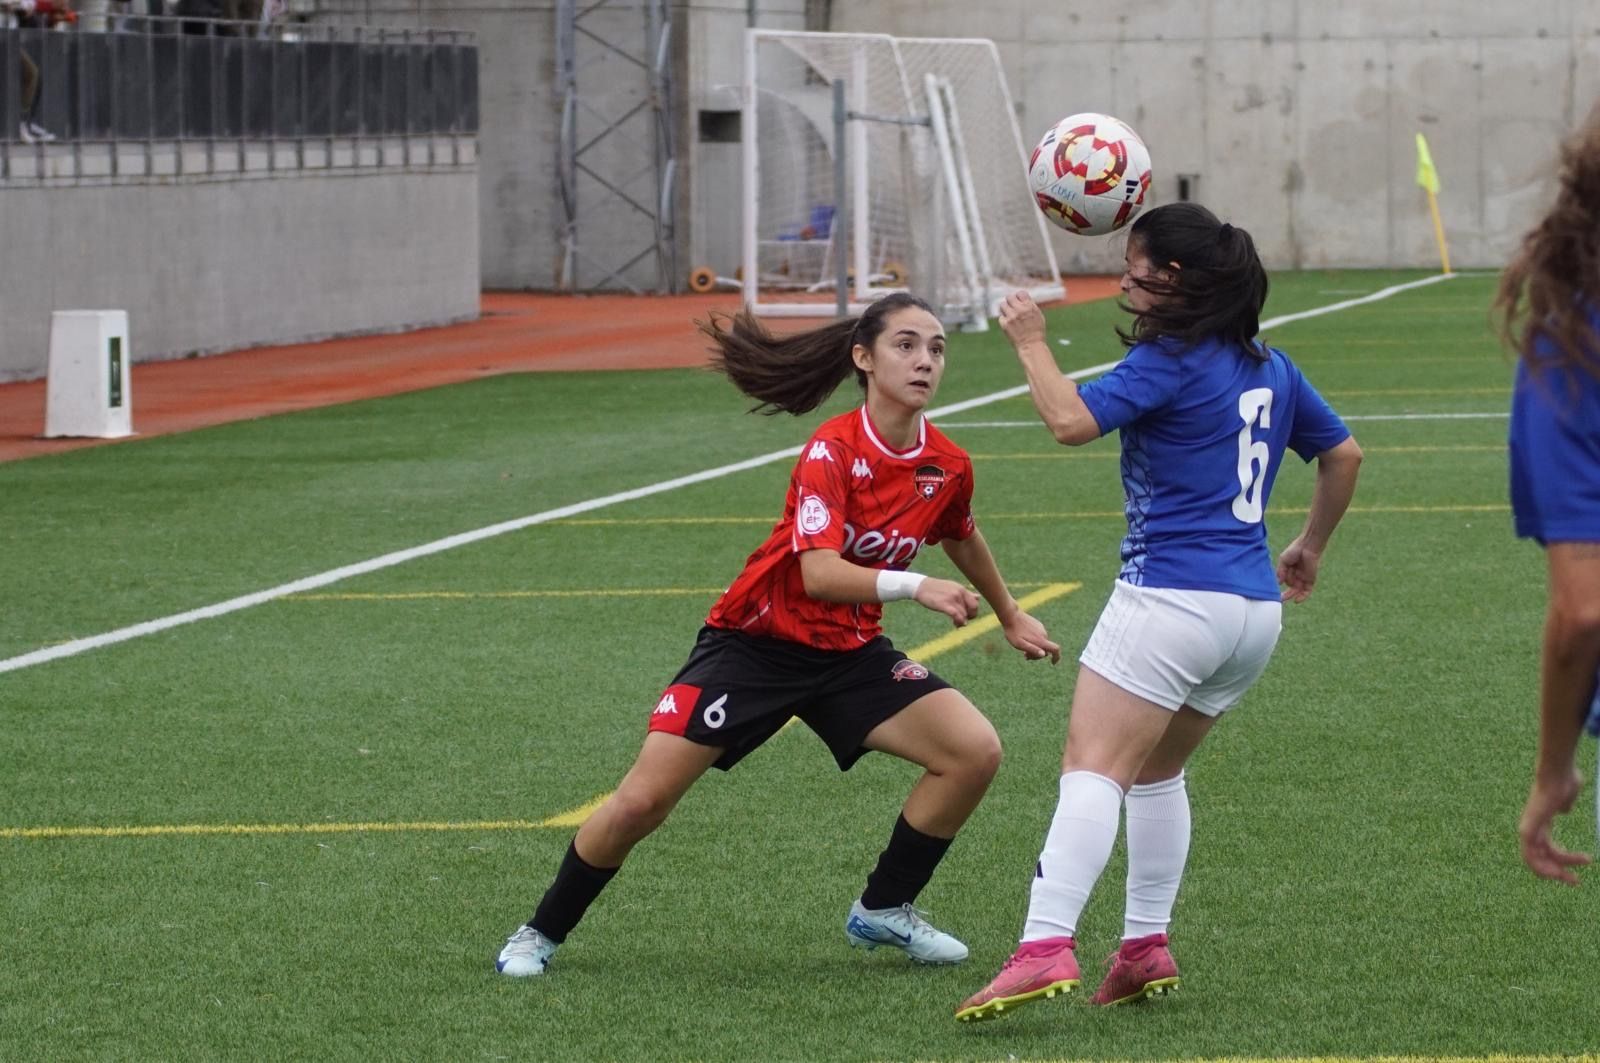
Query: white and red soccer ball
(1090, 174)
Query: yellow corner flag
(1428, 178)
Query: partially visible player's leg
(1158, 822)
(667, 766)
(1158, 826)
(726, 700)
(1110, 733)
(959, 751)
(1141, 661)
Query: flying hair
(1217, 289)
(1550, 289)
(796, 373)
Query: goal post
(936, 194)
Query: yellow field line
(406, 596)
(1059, 515)
(599, 592)
(590, 522)
(1585, 1058)
(1389, 392)
(987, 623)
(565, 819)
(1499, 448)
(573, 818)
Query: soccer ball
(1089, 174)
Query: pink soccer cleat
(1037, 970)
(1142, 967)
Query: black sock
(905, 867)
(576, 886)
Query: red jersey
(877, 506)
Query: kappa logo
(861, 469)
(928, 479)
(908, 669)
(667, 706)
(819, 452)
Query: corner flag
(1428, 178)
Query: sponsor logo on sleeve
(819, 452)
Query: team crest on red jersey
(928, 478)
(909, 669)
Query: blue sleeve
(1145, 380)
(1555, 456)
(1316, 427)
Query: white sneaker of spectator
(34, 133)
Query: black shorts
(736, 691)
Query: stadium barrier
(172, 96)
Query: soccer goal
(875, 164)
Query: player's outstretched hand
(1021, 319)
(950, 598)
(1029, 635)
(1297, 571)
(1546, 801)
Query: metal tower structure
(617, 199)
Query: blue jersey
(1555, 459)
(1204, 429)
(1555, 454)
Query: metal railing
(214, 95)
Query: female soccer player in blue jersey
(1206, 412)
(1550, 301)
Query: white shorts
(1203, 649)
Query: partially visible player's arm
(976, 561)
(1337, 468)
(830, 578)
(1055, 397)
(1570, 658)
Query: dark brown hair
(1217, 290)
(1550, 286)
(796, 373)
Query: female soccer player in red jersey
(798, 634)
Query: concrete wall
(206, 265)
(1298, 117)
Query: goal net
(934, 195)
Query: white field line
(400, 557)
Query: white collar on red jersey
(872, 434)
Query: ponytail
(1216, 291)
(796, 373)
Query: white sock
(1076, 849)
(1158, 847)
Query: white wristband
(897, 586)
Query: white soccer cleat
(902, 928)
(527, 952)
